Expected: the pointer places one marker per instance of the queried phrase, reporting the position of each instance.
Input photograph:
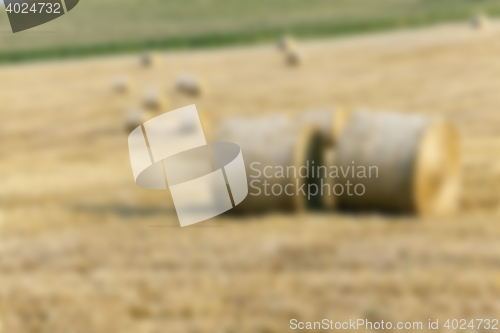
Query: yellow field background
(83, 249)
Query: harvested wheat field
(83, 249)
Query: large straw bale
(274, 142)
(414, 163)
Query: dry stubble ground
(84, 250)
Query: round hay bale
(406, 164)
(479, 21)
(149, 59)
(276, 143)
(153, 100)
(121, 84)
(330, 122)
(136, 117)
(191, 85)
(294, 57)
(286, 44)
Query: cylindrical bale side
(272, 144)
(330, 122)
(404, 163)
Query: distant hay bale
(136, 117)
(479, 21)
(191, 85)
(330, 122)
(295, 58)
(153, 100)
(149, 59)
(289, 47)
(286, 44)
(413, 162)
(276, 142)
(121, 84)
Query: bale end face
(437, 171)
(479, 22)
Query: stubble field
(83, 249)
